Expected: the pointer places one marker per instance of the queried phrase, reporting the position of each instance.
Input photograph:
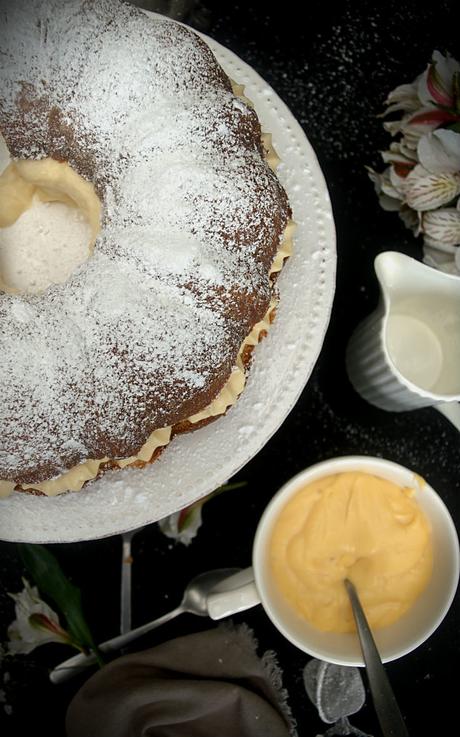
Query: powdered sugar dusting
(196, 463)
(43, 246)
(146, 324)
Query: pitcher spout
(401, 276)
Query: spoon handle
(80, 662)
(386, 706)
(125, 594)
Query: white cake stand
(194, 465)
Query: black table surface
(333, 65)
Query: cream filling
(53, 181)
(235, 384)
(76, 477)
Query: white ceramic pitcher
(406, 354)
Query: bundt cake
(131, 120)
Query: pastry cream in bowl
(351, 525)
(373, 521)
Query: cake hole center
(49, 221)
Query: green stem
(98, 655)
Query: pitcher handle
(451, 410)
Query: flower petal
(446, 67)
(18, 646)
(389, 199)
(23, 633)
(436, 88)
(393, 127)
(390, 204)
(413, 127)
(439, 151)
(426, 191)
(437, 78)
(438, 260)
(404, 97)
(409, 153)
(403, 162)
(410, 218)
(396, 182)
(182, 526)
(432, 118)
(442, 226)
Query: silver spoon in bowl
(194, 601)
(386, 706)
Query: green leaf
(52, 582)
(226, 487)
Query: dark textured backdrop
(333, 65)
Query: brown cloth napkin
(209, 684)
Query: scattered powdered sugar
(336, 690)
(90, 367)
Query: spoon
(386, 707)
(194, 601)
(126, 566)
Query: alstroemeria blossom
(404, 97)
(411, 219)
(416, 124)
(447, 262)
(441, 239)
(402, 158)
(35, 624)
(439, 151)
(182, 526)
(389, 199)
(441, 228)
(422, 177)
(428, 103)
(432, 87)
(436, 83)
(424, 190)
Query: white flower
(422, 181)
(417, 124)
(449, 263)
(443, 254)
(424, 190)
(401, 155)
(405, 97)
(439, 151)
(411, 219)
(389, 198)
(435, 84)
(35, 624)
(441, 228)
(184, 525)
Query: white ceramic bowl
(417, 624)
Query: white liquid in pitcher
(415, 350)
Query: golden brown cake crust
(146, 332)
